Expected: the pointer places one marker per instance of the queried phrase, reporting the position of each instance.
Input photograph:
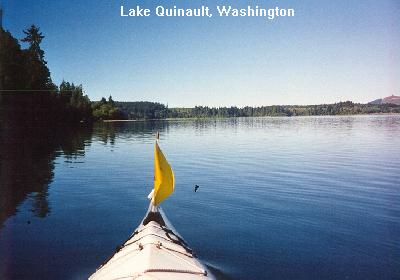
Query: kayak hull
(153, 251)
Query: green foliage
(27, 95)
(341, 108)
(143, 110)
(106, 110)
(152, 110)
(74, 105)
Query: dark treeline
(27, 93)
(143, 110)
(341, 108)
(150, 110)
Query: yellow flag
(163, 177)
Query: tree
(38, 73)
(111, 101)
(33, 99)
(13, 75)
(74, 105)
(34, 37)
(103, 110)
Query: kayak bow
(153, 251)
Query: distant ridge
(393, 99)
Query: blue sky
(330, 51)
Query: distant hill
(387, 100)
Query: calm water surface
(279, 198)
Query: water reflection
(27, 154)
(288, 192)
(27, 157)
(145, 130)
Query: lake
(279, 198)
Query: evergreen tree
(38, 73)
(34, 37)
(103, 110)
(27, 96)
(74, 105)
(13, 74)
(111, 101)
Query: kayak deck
(153, 251)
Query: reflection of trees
(27, 161)
(108, 132)
(28, 151)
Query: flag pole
(151, 195)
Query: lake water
(279, 198)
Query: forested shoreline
(29, 96)
(150, 110)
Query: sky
(330, 51)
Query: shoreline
(209, 118)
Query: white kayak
(153, 251)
